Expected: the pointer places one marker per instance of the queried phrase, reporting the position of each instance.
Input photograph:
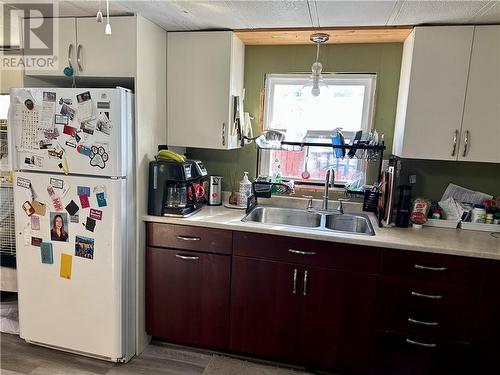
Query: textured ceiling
(242, 14)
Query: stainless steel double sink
(326, 221)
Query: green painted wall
(383, 59)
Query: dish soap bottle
(245, 186)
(276, 175)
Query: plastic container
(245, 185)
(489, 218)
(478, 214)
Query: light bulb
(107, 30)
(317, 68)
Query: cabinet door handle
(188, 238)
(186, 257)
(223, 134)
(418, 343)
(301, 252)
(78, 58)
(70, 54)
(422, 323)
(427, 268)
(466, 143)
(455, 140)
(429, 296)
(294, 289)
(305, 283)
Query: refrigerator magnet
(98, 157)
(66, 264)
(74, 218)
(72, 208)
(71, 144)
(35, 222)
(61, 119)
(90, 224)
(36, 241)
(84, 247)
(83, 190)
(84, 201)
(28, 208)
(39, 208)
(69, 130)
(23, 182)
(95, 214)
(46, 253)
(57, 183)
(84, 106)
(101, 199)
(67, 101)
(59, 226)
(68, 111)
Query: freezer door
(72, 262)
(75, 131)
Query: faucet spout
(330, 175)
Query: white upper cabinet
(432, 91)
(103, 55)
(83, 45)
(64, 50)
(204, 80)
(480, 139)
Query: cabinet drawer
(432, 267)
(395, 354)
(189, 238)
(307, 252)
(187, 297)
(425, 308)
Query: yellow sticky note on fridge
(66, 262)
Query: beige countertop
(428, 239)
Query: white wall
(151, 130)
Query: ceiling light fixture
(98, 17)
(316, 81)
(107, 30)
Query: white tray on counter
(482, 227)
(439, 223)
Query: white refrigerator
(72, 153)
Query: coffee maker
(176, 188)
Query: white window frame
(368, 116)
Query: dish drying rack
(369, 152)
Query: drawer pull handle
(301, 252)
(295, 272)
(427, 268)
(422, 323)
(186, 257)
(187, 238)
(418, 343)
(430, 296)
(305, 283)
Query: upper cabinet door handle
(187, 238)
(301, 252)
(79, 58)
(223, 134)
(455, 140)
(427, 268)
(70, 56)
(466, 143)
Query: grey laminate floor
(17, 357)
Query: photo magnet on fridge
(83, 190)
(84, 247)
(74, 218)
(72, 208)
(28, 208)
(66, 263)
(69, 130)
(23, 182)
(46, 253)
(59, 226)
(61, 119)
(90, 224)
(68, 111)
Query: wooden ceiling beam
(338, 35)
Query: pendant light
(316, 80)
(98, 17)
(107, 30)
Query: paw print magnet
(98, 157)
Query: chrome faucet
(330, 175)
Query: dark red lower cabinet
(187, 297)
(395, 354)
